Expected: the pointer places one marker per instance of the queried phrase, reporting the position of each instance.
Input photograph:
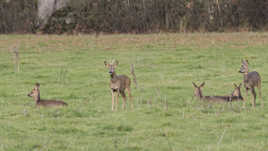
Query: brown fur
(35, 93)
(235, 96)
(251, 80)
(118, 85)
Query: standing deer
(251, 80)
(235, 96)
(118, 85)
(35, 93)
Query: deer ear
(240, 85)
(235, 85)
(105, 64)
(116, 62)
(194, 85)
(202, 84)
(245, 62)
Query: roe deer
(118, 85)
(35, 93)
(251, 80)
(235, 96)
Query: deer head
(237, 91)
(111, 66)
(35, 93)
(244, 67)
(197, 90)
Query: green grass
(71, 68)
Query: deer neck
(246, 75)
(200, 95)
(37, 98)
(113, 76)
(234, 94)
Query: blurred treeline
(137, 16)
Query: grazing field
(165, 116)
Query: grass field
(165, 117)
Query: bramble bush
(138, 16)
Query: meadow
(165, 116)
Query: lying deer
(118, 85)
(35, 93)
(251, 80)
(235, 96)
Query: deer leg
(254, 97)
(124, 99)
(112, 101)
(230, 101)
(117, 98)
(244, 102)
(130, 97)
(259, 89)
